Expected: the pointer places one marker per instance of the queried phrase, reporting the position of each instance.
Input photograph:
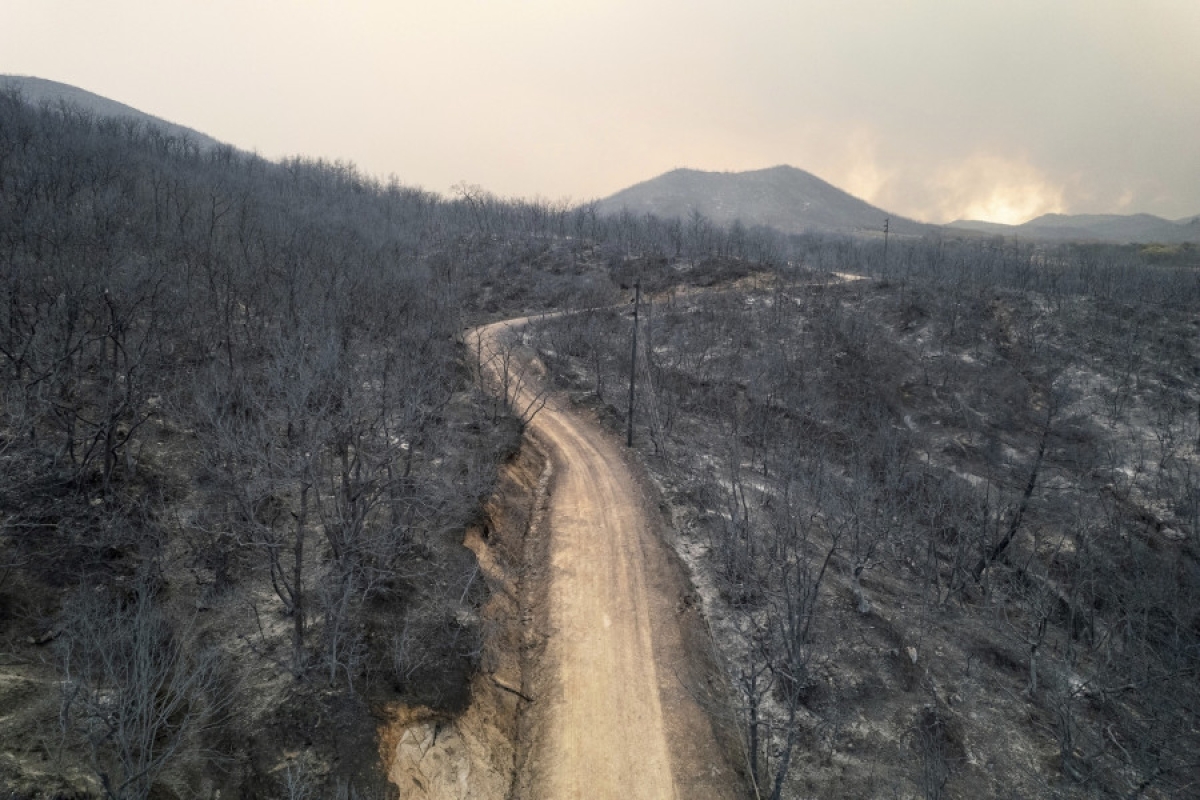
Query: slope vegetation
(945, 524)
(52, 94)
(242, 454)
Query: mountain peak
(783, 197)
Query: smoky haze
(934, 110)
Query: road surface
(614, 718)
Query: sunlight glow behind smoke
(861, 173)
(995, 189)
(982, 186)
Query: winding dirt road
(615, 715)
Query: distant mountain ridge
(1111, 228)
(37, 91)
(783, 197)
(794, 201)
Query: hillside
(1114, 228)
(39, 91)
(242, 443)
(786, 198)
(945, 525)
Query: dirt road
(614, 716)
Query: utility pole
(885, 238)
(637, 297)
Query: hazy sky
(936, 109)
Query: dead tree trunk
(1014, 526)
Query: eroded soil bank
(476, 754)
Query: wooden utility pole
(637, 297)
(885, 238)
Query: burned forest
(938, 497)
(940, 509)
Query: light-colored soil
(617, 711)
(473, 755)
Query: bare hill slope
(783, 197)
